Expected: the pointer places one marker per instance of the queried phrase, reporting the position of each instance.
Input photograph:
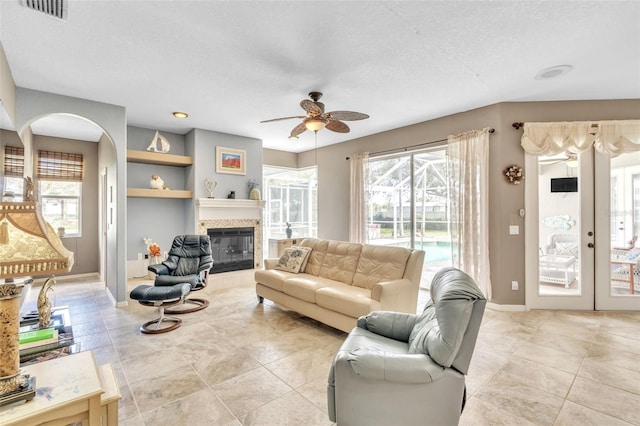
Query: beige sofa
(343, 281)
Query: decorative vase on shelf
(288, 231)
(254, 194)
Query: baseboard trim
(40, 280)
(506, 308)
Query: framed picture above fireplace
(232, 161)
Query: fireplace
(232, 248)
(214, 213)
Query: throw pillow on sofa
(306, 259)
(293, 259)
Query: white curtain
(468, 157)
(609, 137)
(554, 138)
(358, 207)
(617, 137)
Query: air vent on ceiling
(56, 8)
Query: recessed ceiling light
(553, 72)
(180, 114)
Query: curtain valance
(609, 137)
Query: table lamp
(28, 247)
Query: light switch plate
(514, 230)
(514, 285)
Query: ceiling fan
(316, 119)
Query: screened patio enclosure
(408, 206)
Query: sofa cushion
(293, 259)
(347, 299)
(272, 278)
(304, 286)
(340, 261)
(314, 261)
(380, 263)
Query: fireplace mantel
(228, 213)
(223, 208)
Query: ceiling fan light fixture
(315, 124)
(293, 137)
(180, 114)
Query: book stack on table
(35, 338)
(55, 340)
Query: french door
(581, 209)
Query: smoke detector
(56, 8)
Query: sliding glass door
(408, 206)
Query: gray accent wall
(161, 219)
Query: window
(60, 176)
(408, 203)
(13, 171)
(291, 196)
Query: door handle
(591, 245)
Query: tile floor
(243, 363)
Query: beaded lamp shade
(28, 244)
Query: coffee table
(557, 269)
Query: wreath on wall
(514, 174)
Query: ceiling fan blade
(311, 107)
(337, 126)
(283, 118)
(347, 115)
(298, 129)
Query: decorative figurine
(157, 183)
(28, 189)
(211, 186)
(288, 231)
(44, 304)
(164, 144)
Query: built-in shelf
(158, 193)
(148, 157)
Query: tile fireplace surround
(226, 213)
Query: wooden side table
(110, 397)
(68, 390)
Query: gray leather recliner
(408, 369)
(189, 256)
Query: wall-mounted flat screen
(568, 184)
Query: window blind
(60, 166)
(13, 161)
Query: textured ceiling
(232, 64)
